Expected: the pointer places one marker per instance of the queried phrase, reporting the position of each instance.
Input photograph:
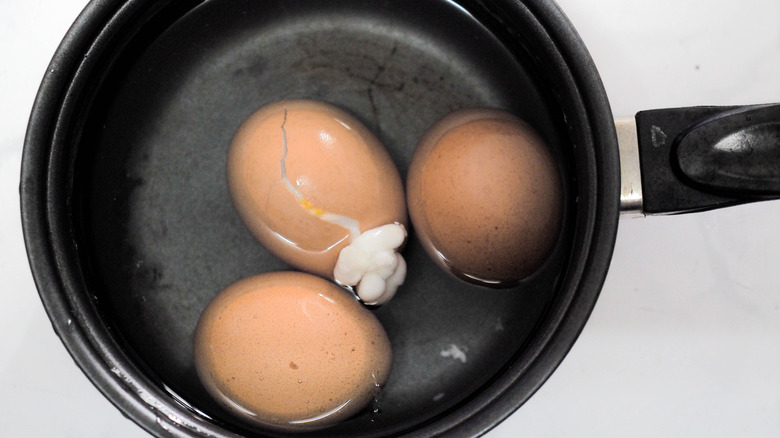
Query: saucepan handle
(683, 160)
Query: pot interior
(157, 235)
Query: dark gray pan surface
(160, 234)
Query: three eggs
(298, 351)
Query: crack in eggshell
(352, 225)
(376, 282)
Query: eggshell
(485, 197)
(333, 162)
(290, 351)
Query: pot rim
(50, 245)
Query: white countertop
(685, 339)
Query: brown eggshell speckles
(485, 197)
(332, 160)
(290, 351)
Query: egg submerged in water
(290, 351)
(485, 197)
(309, 180)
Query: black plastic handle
(700, 158)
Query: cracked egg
(308, 179)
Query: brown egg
(290, 351)
(485, 197)
(307, 178)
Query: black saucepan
(130, 230)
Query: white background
(685, 339)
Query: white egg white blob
(372, 263)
